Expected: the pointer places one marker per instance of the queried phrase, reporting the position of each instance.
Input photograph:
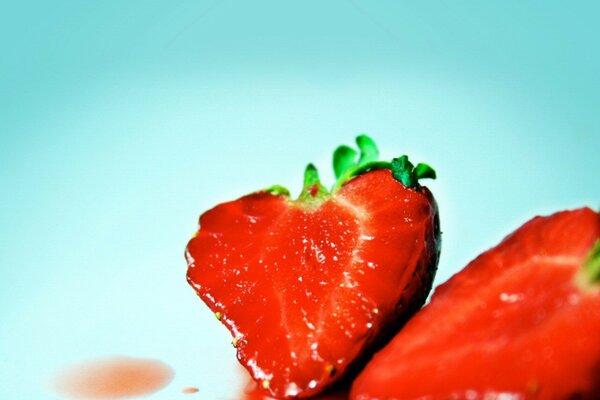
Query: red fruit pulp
(306, 288)
(519, 322)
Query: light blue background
(121, 121)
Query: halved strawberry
(307, 286)
(521, 321)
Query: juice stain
(113, 378)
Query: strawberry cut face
(306, 288)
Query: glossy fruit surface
(521, 321)
(307, 286)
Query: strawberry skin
(521, 321)
(307, 287)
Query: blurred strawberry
(521, 321)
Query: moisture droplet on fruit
(292, 390)
(510, 297)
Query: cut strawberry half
(307, 287)
(521, 321)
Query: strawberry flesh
(521, 321)
(308, 288)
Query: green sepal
(405, 172)
(344, 158)
(278, 190)
(368, 150)
(312, 189)
(423, 171)
(592, 263)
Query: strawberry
(308, 287)
(521, 321)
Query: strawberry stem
(592, 263)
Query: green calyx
(347, 166)
(592, 263)
(349, 163)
